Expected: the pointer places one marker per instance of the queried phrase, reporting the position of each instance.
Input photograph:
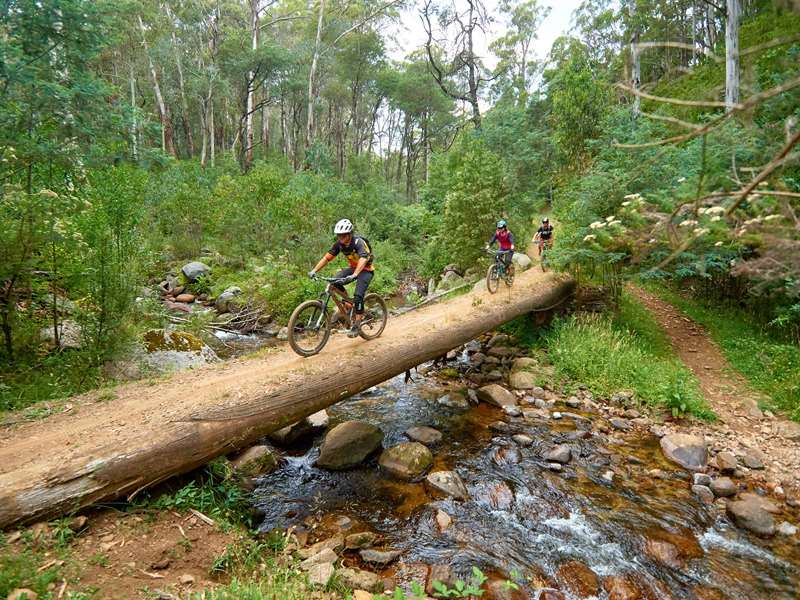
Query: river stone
(748, 514)
(408, 460)
(501, 352)
(786, 528)
(224, 300)
(194, 270)
(621, 588)
(579, 579)
(763, 502)
(326, 556)
(424, 435)
(726, 462)
(753, 459)
(522, 260)
(379, 557)
(704, 493)
(185, 298)
(524, 363)
(522, 380)
(522, 439)
(664, 552)
(620, 424)
(311, 425)
(358, 579)
(356, 541)
(549, 594)
(454, 400)
(788, 430)
(348, 444)
(334, 543)
(702, 479)
(446, 483)
(496, 395)
(559, 454)
(443, 520)
(689, 451)
(255, 461)
(724, 487)
(320, 574)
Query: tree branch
(682, 45)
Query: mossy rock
(179, 341)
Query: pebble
(186, 579)
(620, 424)
(556, 467)
(608, 476)
(556, 415)
(522, 439)
(787, 528)
(702, 479)
(704, 493)
(512, 411)
(443, 520)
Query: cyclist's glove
(312, 274)
(349, 279)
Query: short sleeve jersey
(545, 233)
(357, 248)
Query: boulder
(453, 267)
(304, 428)
(726, 462)
(497, 395)
(454, 400)
(579, 579)
(255, 461)
(194, 270)
(753, 459)
(424, 435)
(688, 451)
(325, 556)
(522, 439)
(348, 444)
(559, 454)
(724, 487)
(379, 557)
(702, 479)
(334, 544)
(449, 281)
(223, 301)
(498, 589)
(358, 579)
(786, 528)
(447, 484)
(499, 339)
(522, 261)
(70, 335)
(621, 588)
(522, 380)
(501, 352)
(408, 461)
(524, 363)
(703, 493)
(321, 574)
(175, 350)
(750, 515)
(283, 334)
(185, 298)
(763, 502)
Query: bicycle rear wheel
(309, 328)
(492, 279)
(375, 317)
(509, 278)
(543, 260)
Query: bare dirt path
(742, 427)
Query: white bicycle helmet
(343, 226)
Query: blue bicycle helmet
(501, 223)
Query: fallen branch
(202, 517)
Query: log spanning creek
(603, 516)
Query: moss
(180, 341)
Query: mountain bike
(544, 246)
(311, 322)
(499, 270)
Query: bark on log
(105, 450)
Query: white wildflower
(681, 179)
(630, 196)
(753, 221)
(611, 218)
(651, 241)
(597, 225)
(716, 218)
(48, 193)
(714, 210)
(773, 217)
(626, 203)
(615, 222)
(718, 244)
(688, 223)
(590, 238)
(701, 231)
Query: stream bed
(524, 521)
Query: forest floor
(741, 425)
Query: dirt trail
(742, 426)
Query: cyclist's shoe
(353, 332)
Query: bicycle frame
(332, 293)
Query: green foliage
(20, 569)
(461, 589)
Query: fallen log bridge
(106, 448)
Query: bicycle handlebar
(498, 252)
(331, 279)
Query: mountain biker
(359, 255)
(505, 239)
(544, 235)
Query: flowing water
(522, 518)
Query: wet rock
(498, 589)
(688, 451)
(501, 351)
(708, 593)
(579, 579)
(500, 426)
(753, 459)
(194, 270)
(360, 580)
(658, 430)
(496, 495)
(512, 411)
(724, 487)
(472, 396)
(555, 467)
(443, 520)
(621, 588)
(522, 380)
(348, 444)
(748, 514)
(702, 479)
(424, 435)
(726, 462)
(304, 428)
(226, 298)
(408, 461)
(786, 528)
(255, 461)
(703, 493)
(609, 476)
(477, 359)
(441, 573)
(559, 454)
(446, 483)
(326, 556)
(379, 557)
(454, 400)
(356, 541)
(522, 439)
(334, 543)
(556, 415)
(620, 424)
(763, 502)
(549, 594)
(320, 575)
(496, 395)
(664, 552)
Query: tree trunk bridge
(106, 448)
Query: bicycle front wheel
(309, 328)
(492, 279)
(375, 317)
